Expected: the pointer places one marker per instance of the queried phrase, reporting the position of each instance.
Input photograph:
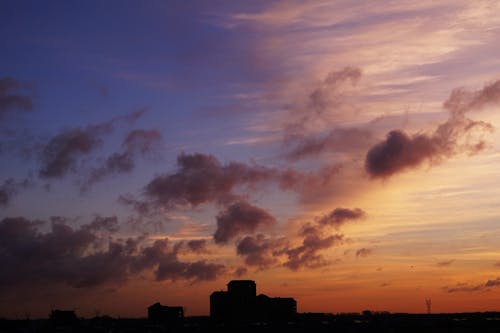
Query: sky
(344, 153)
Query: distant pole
(428, 304)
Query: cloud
(445, 263)
(336, 140)
(462, 100)
(61, 153)
(363, 252)
(307, 254)
(239, 218)
(10, 188)
(465, 287)
(169, 267)
(11, 97)
(264, 252)
(84, 257)
(401, 151)
(327, 97)
(339, 216)
(240, 271)
(492, 283)
(107, 223)
(137, 142)
(197, 245)
(259, 251)
(327, 94)
(201, 178)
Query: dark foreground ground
(308, 322)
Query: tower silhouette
(428, 304)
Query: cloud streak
(11, 97)
(466, 287)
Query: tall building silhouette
(241, 303)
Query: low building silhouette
(165, 314)
(241, 303)
(63, 318)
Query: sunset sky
(344, 153)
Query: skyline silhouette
(240, 308)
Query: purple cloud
(61, 154)
(11, 97)
(339, 216)
(401, 151)
(84, 257)
(363, 252)
(239, 218)
(137, 142)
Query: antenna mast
(428, 304)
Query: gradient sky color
(343, 153)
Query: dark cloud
(197, 245)
(106, 223)
(143, 208)
(466, 287)
(83, 257)
(363, 252)
(259, 251)
(10, 187)
(169, 267)
(339, 216)
(201, 178)
(307, 254)
(337, 140)
(137, 142)
(263, 252)
(240, 218)
(445, 263)
(11, 97)
(493, 283)
(401, 151)
(61, 154)
(240, 271)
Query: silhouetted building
(241, 303)
(165, 314)
(63, 317)
(244, 289)
(277, 308)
